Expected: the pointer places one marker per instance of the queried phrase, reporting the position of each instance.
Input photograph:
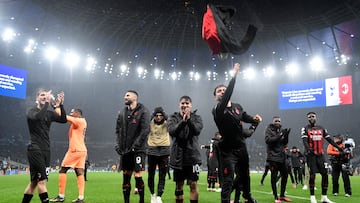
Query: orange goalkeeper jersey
(77, 133)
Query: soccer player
(296, 162)
(75, 157)
(158, 152)
(39, 119)
(313, 136)
(229, 117)
(212, 155)
(132, 130)
(185, 158)
(276, 139)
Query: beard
(128, 102)
(312, 122)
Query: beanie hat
(159, 110)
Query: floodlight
(51, 53)
(71, 59)
(8, 35)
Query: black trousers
(231, 159)
(275, 168)
(336, 170)
(162, 163)
(298, 175)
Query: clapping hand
(186, 114)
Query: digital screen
(13, 82)
(321, 93)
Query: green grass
(106, 187)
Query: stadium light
(8, 35)
(316, 63)
(157, 74)
(173, 75)
(90, 63)
(269, 71)
(249, 73)
(194, 75)
(51, 53)
(197, 76)
(71, 59)
(292, 69)
(31, 46)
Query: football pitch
(104, 187)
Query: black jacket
(229, 121)
(185, 149)
(213, 155)
(296, 158)
(132, 130)
(275, 140)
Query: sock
(126, 187)
(27, 198)
(81, 185)
(193, 201)
(179, 200)
(44, 197)
(126, 192)
(140, 186)
(62, 183)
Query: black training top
(39, 121)
(229, 121)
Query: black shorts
(133, 161)
(39, 162)
(316, 164)
(187, 173)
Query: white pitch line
(292, 196)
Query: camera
(347, 167)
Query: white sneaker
(158, 199)
(153, 198)
(218, 190)
(305, 187)
(313, 199)
(347, 195)
(325, 199)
